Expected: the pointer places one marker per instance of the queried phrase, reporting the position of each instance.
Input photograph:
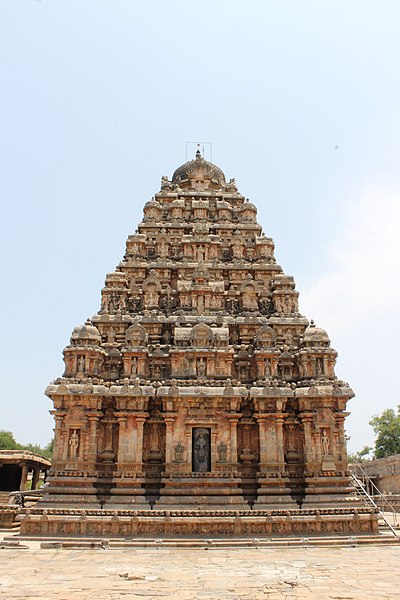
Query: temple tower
(198, 383)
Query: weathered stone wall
(385, 472)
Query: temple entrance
(201, 449)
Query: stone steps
(12, 544)
(207, 543)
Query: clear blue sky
(301, 101)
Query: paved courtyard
(245, 574)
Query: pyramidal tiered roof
(199, 274)
(198, 382)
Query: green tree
(387, 429)
(7, 441)
(360, 456)
(38, 449)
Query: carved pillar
(233, 438)
(306, 419)
(342, 451)
(279, 439)
(262, 431)
(139, 445)
(58, 441)
(92, 454)
(63, 446)
(169, 422)
(189, 448)
(24, 476)
(271, 442)
(122, 421)
(35, 477)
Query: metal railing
(363, 485)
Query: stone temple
(198, 399)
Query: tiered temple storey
(199, 384)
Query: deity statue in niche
(134, 249)
(104, 304)
(200, 212)
(184, 366)
(156, 371)
(81, 364)
(134, 366)
(237, 250)
(250, 252)
(325, 442)
(222, 452)
(178, 452)
(162, 248)
(74, 444)
(289, 337)
(250, 298)
(294, 305)
(200, 305)
(201, 367)
(319, 366)
(111, 335)
(267, 367)
(201, 449)
(279, 304)
(111, 303)
(200, 253)
(234, 337)
(151, 296)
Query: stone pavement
(355, 573)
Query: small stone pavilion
(198, 399)
(15, 466)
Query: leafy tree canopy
(8, 442)
(387, 429)
(360, 456)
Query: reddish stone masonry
(199, 384)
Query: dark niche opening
(10, 477)
(201, 449)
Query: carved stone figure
(151, 297)
(201, 450)
(267, 367)
(325, 443)
(134, 366)
(201, 367)
(111, 335)
(178, 451)
(74, 444)
(200, 304)
(81, 364)
(222, 452)
(162, 249)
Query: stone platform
(190, 523)
(306, 573)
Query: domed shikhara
(199, 382)
(199, 168)
(86, 333)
